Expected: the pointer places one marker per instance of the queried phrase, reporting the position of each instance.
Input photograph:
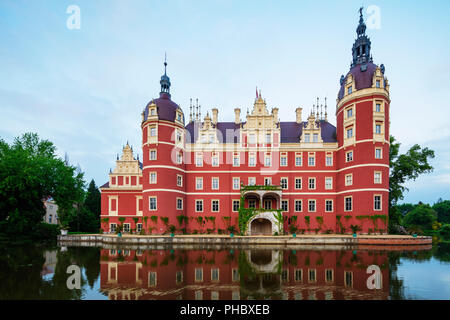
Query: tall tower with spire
(362, 132)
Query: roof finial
(165, 80)
(165, 62)
(256, 92)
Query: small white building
(51, 211)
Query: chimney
(214, 115)
(298, 113)
(237, 115)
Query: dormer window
(152, 112)
(307, 138)
(315, 137)
(349, 90)
(179, 116)
(378, 84)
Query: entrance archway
(261, 226)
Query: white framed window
(152, 279)
(236, 161)
(199, 183)
(215, 160)
(349, 132)
(267, 159)
(179, 158)
(215, 205)
(252, 203)
(328, 183)
(236, 204)
(138, 227)
(329, 160)
(126, 227)
(377, 202)
(349, 156)
(377, 177)
(298, 160)
(378, 153)
(251, 181)
(215, 183)
(315, 137)
(236, 183)
(252, 138)
(348, 203)
(312, 205)
(112, 227)
(179, 180)
(198, 274)
(378, 107)
(198, 295)
(267, 181)
(307, 138)
(348, 278)
(311, 160)
(312, 276)
(153, 131)
(298, 275)
(328, 205)
(298, 205)
(284, 183)
(268, 138)
(152, 155)
(152, 176)
(312, 183)
(198, 205)
(329, 275)
(283, 160)
(378, 83)
(298, 183)
(349, 90)
(349, 112)
(349, 179)
(179, 204)
(378, 128)
(285, 205)
(152, 203)
(199, 160)
(252, 160)
(215, 274)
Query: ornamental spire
(165, 80)
(361, 47)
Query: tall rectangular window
(152, 155)
(298, 183)
(215, 184)
(329, 205)
(198, 183)
(307, 138)
(315, 137)
(377, 177)
(268, 160)
(378, 128)
(152, 131)
(215, 160)
(349, 133)
(298, 205)
(152, 203)
(179, 180)
(311, 160)
(283, 160)
(284, 183)
(377, 202)
(349, 179)
(199, 205)
(236, 183)
(348, 204)
(152, 177)
(349, 156)
(284, 205)
(349, 113)
(311, 183)
(298, 160)
(236, 162)
(251, 181)
(215, 205)
(312, 205)
(378, 153)
(267, 181)
(252, 160)
(199, 160)
(179, 204)
(378, 107)
(236, 204)
(328, 183)
(329, 161)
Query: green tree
(443, 210)
(30, 171)
(422, 216)
(405, 208)
(93, 199)
(87, 218)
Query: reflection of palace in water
(241, 274)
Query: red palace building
(261, 175)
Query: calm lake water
(199, 273)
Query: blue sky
(85, 89)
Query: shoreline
(288, 241)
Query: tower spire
(165, 80)
(361, 47)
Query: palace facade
(260, 175)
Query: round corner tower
(163, 166)
(362, 113)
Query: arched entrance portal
(261, 226)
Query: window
(252, 203)
(152, 177)
(198, 274)
(138, 227)
(126, 227)
(348, 278)
(252, 139)
(179, 158)
(267, 204)
(378, 153)
(378, 107)
(251, 181)
(307, 138)
(329, 205)
(179, 180)
(283, 160)
(198, 183)
(152, 154)
(236, 204)
(311, 161)
(152, 131)
(215, 184)
(348, 204)
(377, 177)
(268, 160)
(179, 204)
(329, 275)
(236, 183)
(329, 161)
(152, 112)
(349, 133)
(252, 160)
(312, 205)
(236, 162)
(312, 276)
(215, 274)
(211, 138)
(298, 275)
(215, 160)
(199, 205)
(268, 138)
(298, 205)
(50, 219)
(112, 227)
(284, 205)
(298, 160)
(378, 128)
(284, 183)
(349, 156)
(377, 202)
(235, 274)
(315, 137)
(152, 279)
(298, 183)
(378, 83)
(267, 181)
(328, 183)
(179, 136)
(198, 295)
(152, 203)
(349, 179)
(284, 275)
(349, 113)
(179, 116)
(349, 90)
(215, 205)
(311, 183)
(179, 277)
(199, 160)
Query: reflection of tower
(163, 168)
(363, 137)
